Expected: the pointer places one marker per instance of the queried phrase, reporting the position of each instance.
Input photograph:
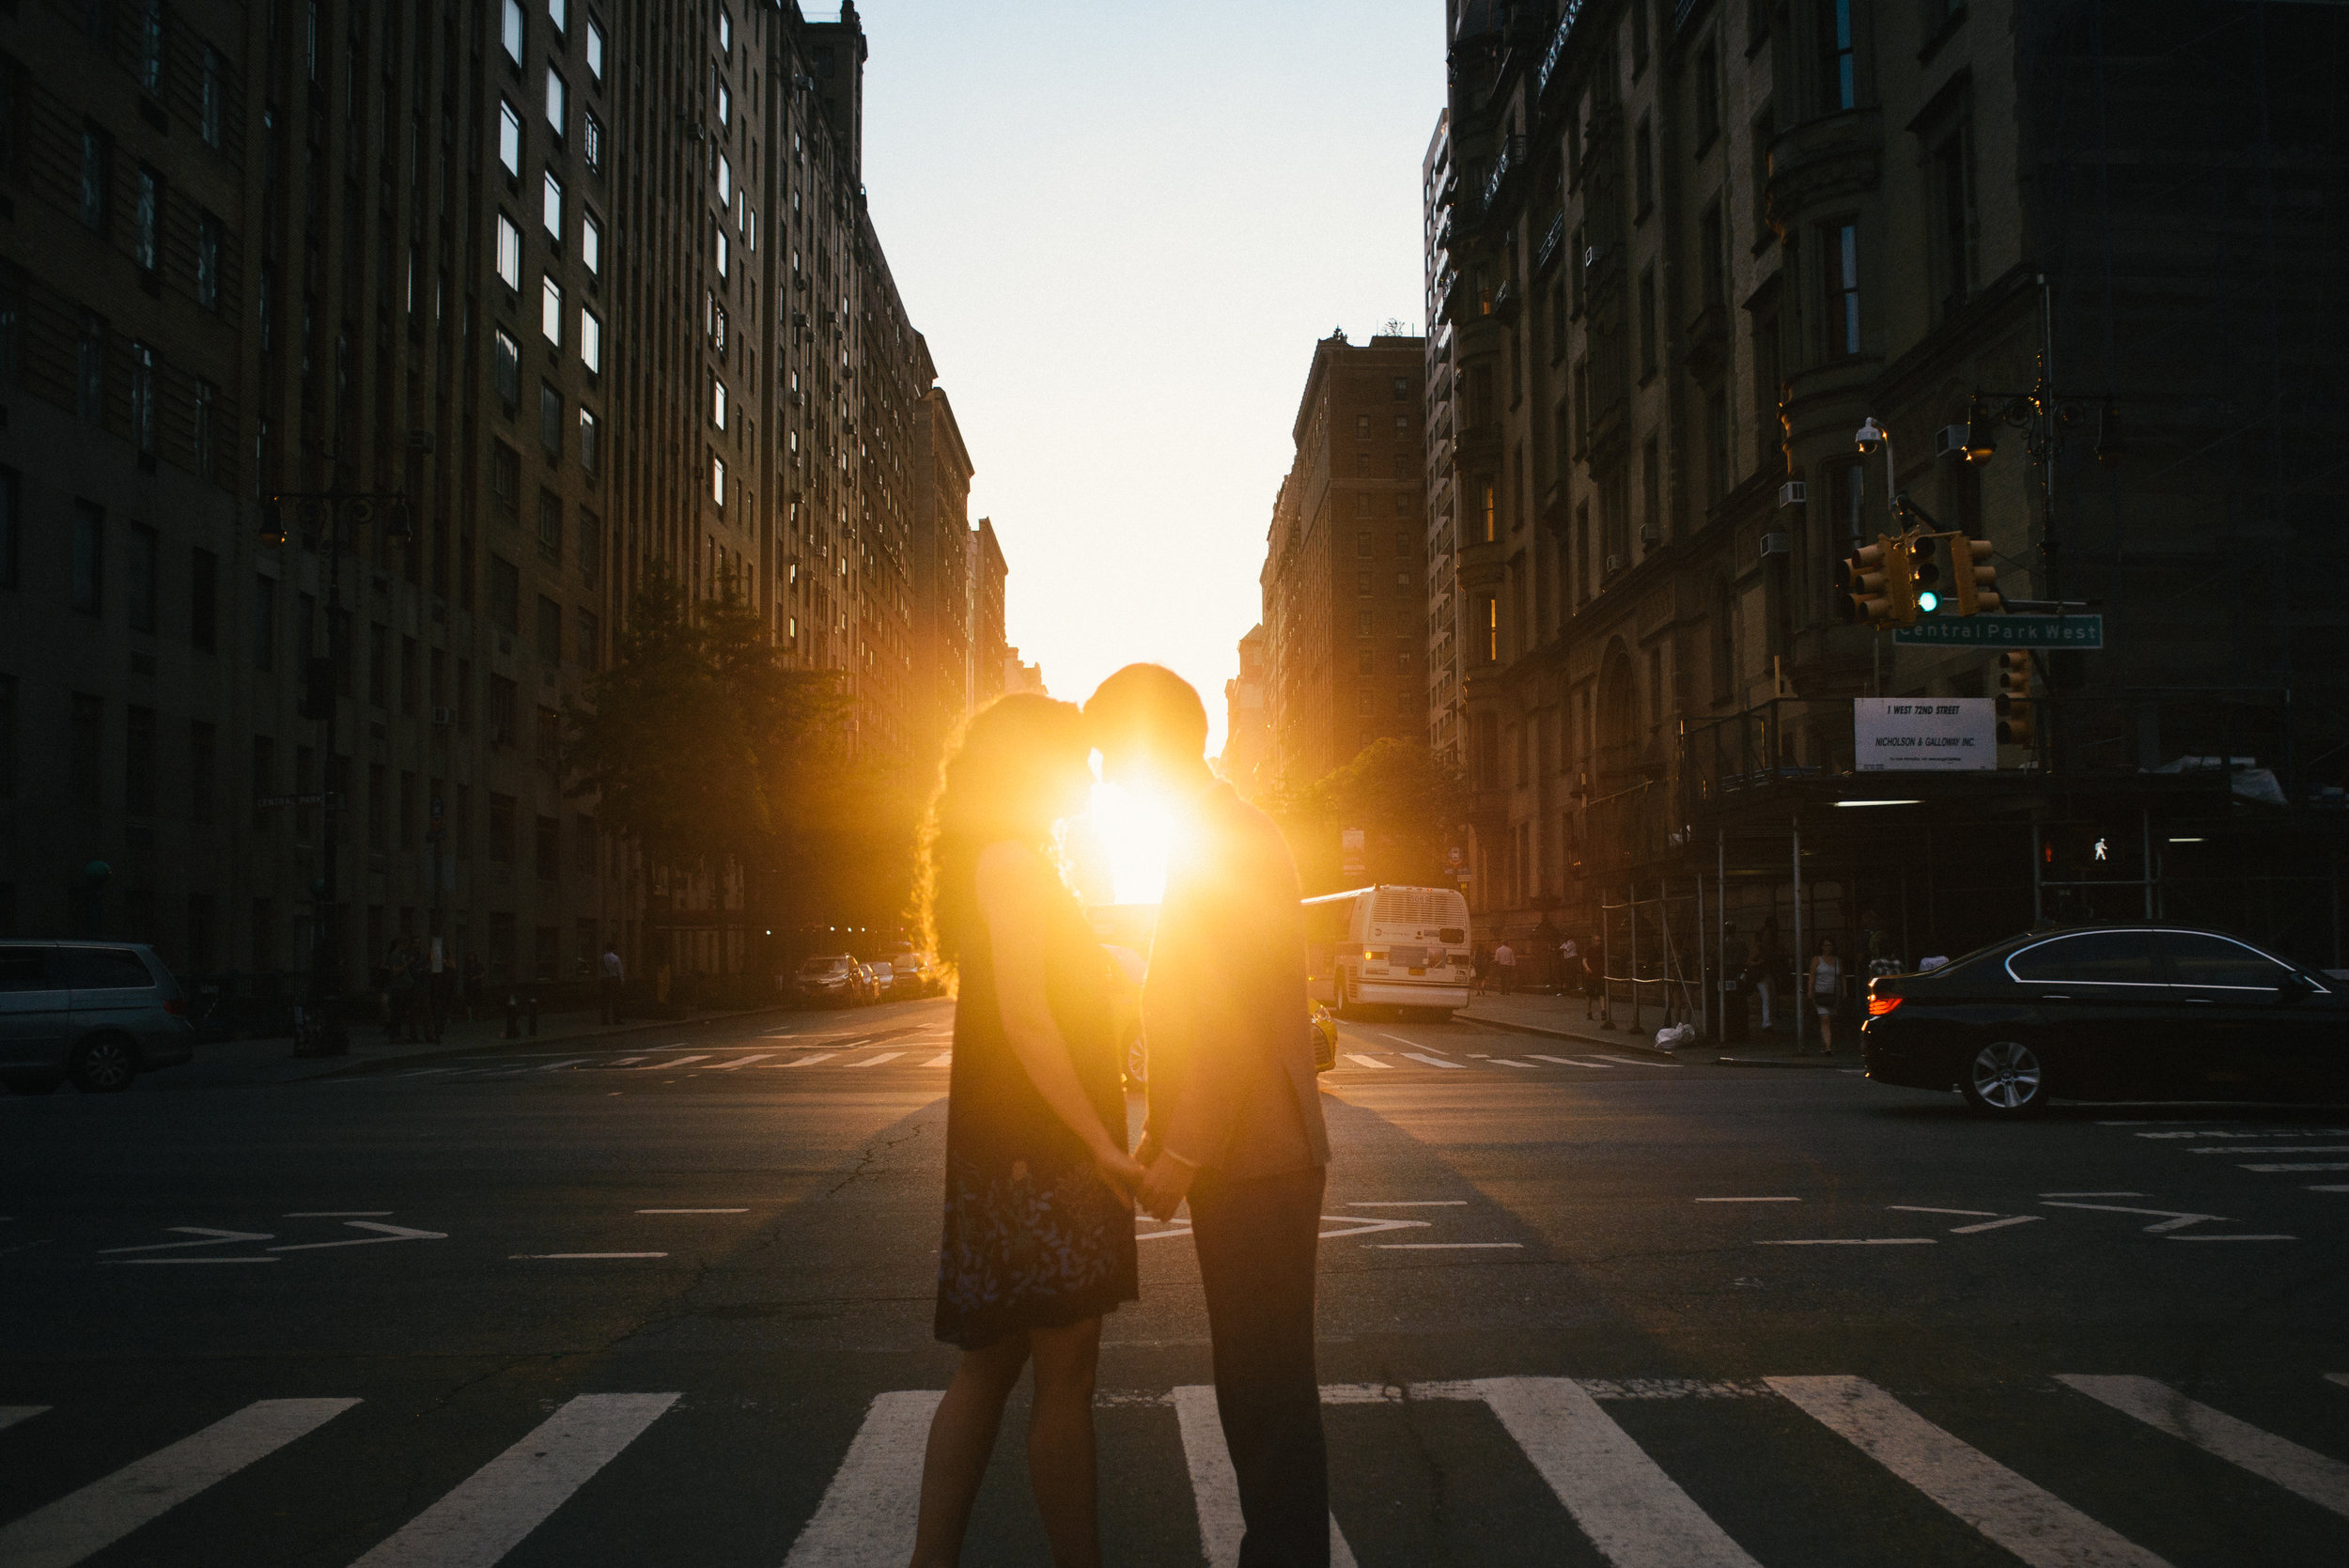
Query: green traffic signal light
(1927, 602)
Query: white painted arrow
(391, 1233)
(1362, 1224)
(218, 1239)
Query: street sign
(1350, 845)
(1947, 735)
(319, 800)
(1452, 855)
(2006, 631)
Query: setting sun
(1133, 834)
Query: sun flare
(1134, 835)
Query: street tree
(1407, 802)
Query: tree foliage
(1408, 803)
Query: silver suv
(97, 1013)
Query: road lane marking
(132, 1262)
(2173, 1219)
(808, 1060)
(739, 1062)
(84, 1523)
(943, 1059)
(1504, 1062)
(390, 1234)
(11, 1414)
(337, 1214)
(1570, 1062)
(2335, 1188)
(1400, 1040)
(2035, 1525)
(663, 1066)
(218, 1238)
(623, 1062)
(1369, 1224)
(1215, 1485)
(876, 1061)
(2091, 1195)
(2273, 1168)
(1631, 1061)
(1408, 1203)
(1369, 1062)
(1747, 1200)
(866, 1517)
(558, 1067)
(1912, 1208)
(1434, 1060)
(2000, 1224)
(1632, 1512)
(490, 1512)
(2339, 1379)
(428, 1072)
(2322, 1479)
(2273, 1149)
(1445, 1245)
(546, 1257)
(1858, 1241)
(693, 1211)
(2231, 1238)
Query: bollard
(513, 1017)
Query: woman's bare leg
(962, 1435)
(1060, 1441)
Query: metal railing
(1512, 153)
(1568, 15)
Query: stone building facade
(591, 285)
(1678, 252)
(1344, 580)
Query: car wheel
(2006, 1079)
(105, 1065)
(34, 1083)
(1137, 1060)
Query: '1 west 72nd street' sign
(1935, 735)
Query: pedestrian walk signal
(2014, 698)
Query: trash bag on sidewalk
(1674, 1035)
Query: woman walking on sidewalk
(1826, 992)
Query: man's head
(1149, 726)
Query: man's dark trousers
(1258, 1242)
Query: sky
(1122, 229)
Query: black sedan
(2112, 1012)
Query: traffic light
(2014, 698)
(1864, 583)
(1925, 575)
(1973, 581)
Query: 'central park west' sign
(1933, 735)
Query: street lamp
(318, 1030)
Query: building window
(506, 477)
(1644, 165)
(1647, 321)
(203, 600)
(90, 368)
(1716, 445)
(505, 595)
(146, 219)
(510, 371)
(207, 261)
(1707, 89)
(1953, 217)
(1487, 625)
(551, 209)
(595, 50)
(264, 623)
(551, 309)
(1713, 268)
(550, 526)
(510, 31)
(510, 139)
(98, 152)
(591, 342)
(559, 12)
(509, 259)
(143, 400)
(549, 421)
(590, 546)
(717, 481)
(555, 93)
(1839, 80)
(89, 558)
(590, 451)
(503, 698)
(138, 579)
(591, 244)
(213, 108)
(1841, 255)
(591, 142)
(549, 631)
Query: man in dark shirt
(1234, 1122)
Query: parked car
(884, 978)
(97, 1013)
(2111, 1012)
(829, 977)
(916, 973)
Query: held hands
(1122, 1170)
(1164, 1185)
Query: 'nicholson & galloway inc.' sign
(1935, 735)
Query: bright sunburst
(1134, 834)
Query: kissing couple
(1040, 1189)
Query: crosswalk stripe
(808, 1060)
(1570, 1062)
(1215, 1487)
(1359, 1060)
(943, 1059)
(2035, 1525)
(1434, 1060)
(868, 1512)
(1632, 1512)
(2339, 1379)
(671, 1062)
(558, 1067)
(11, 1414)
(491, 1511)
(87, 1522)
(1504, 1062)
(740, 1062)
(2322, 1479)
(1632, 1060)
(876, 1061)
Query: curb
(1563, 1035)
(616, 1032)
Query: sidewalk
(1566, 1017)
(369, 1047)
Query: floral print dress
(1034, 1236)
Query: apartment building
(1677, 253)
(588, 287)
(1344, 580)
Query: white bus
(1387, 947)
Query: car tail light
(1879, 1006)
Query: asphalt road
(670, 1304)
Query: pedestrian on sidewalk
(1505, 961)
(1594, 986)
(1569, 965)
(1481, 968)
(1826, 992)
(608, 984)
